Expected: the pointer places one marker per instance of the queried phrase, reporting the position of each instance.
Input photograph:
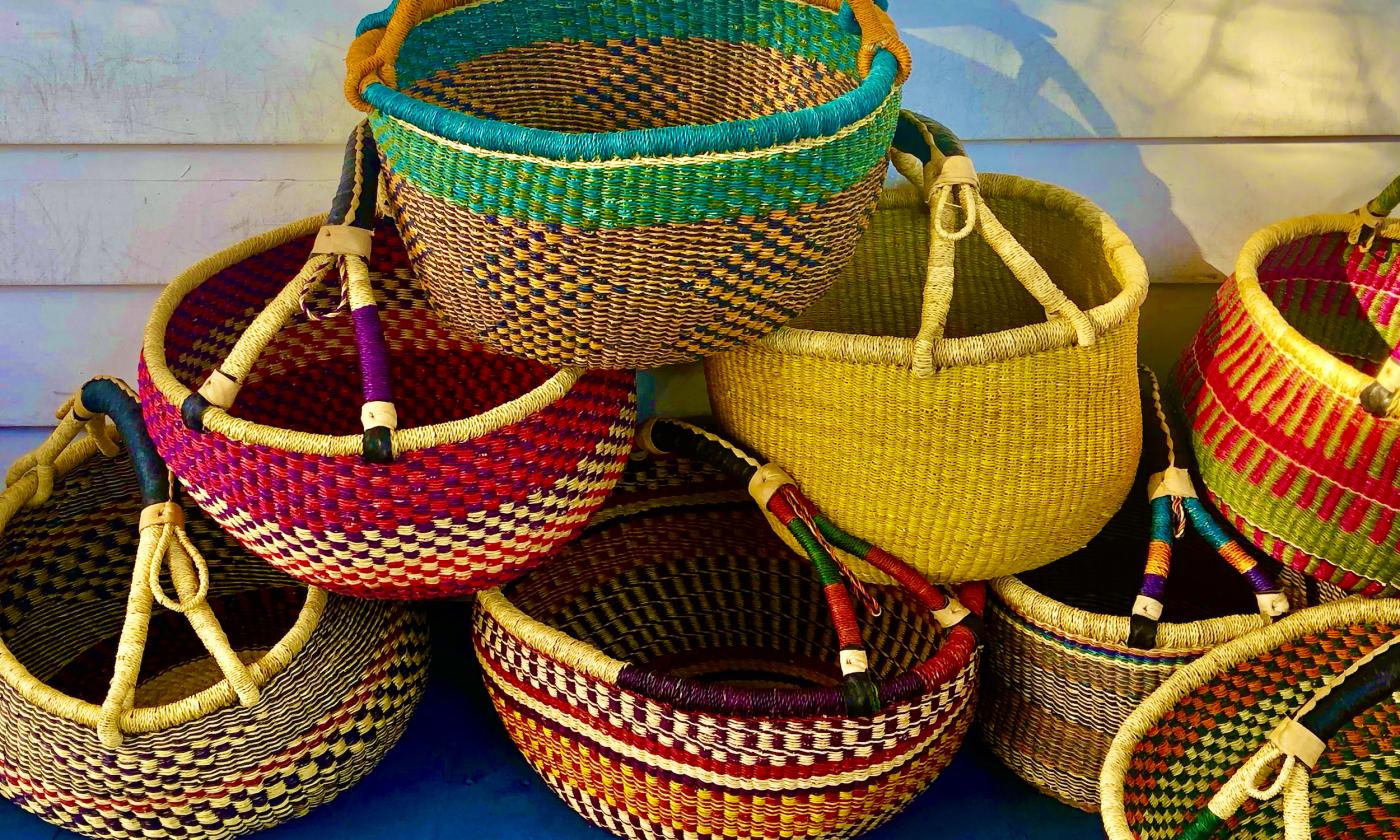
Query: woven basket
(968, 435)
(675, 675)
(470, 468)
(1289, 385)
(1072, 651)
(1315, 695)
(633, 182)
(280, 699)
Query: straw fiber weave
(1191, 736)
(1273, 384)
(1015, 444)
(679, 586)
(496, 461)
(633, 183)
(338, 678)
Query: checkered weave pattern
(336, 701)
(465, 503)
(634, 183)
(681, 582)
(1192, 735)
(1271, 384)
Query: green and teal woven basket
(633, 182)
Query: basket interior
(1201, 585)
(1193, 748)
(578, 66)
(880, 292)
(711, 594)
(308, 378)
(1339, 296)
(67, 569)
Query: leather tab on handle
(344, 239)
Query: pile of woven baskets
(773, 625)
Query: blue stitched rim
(751, 134)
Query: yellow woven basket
(972, 434)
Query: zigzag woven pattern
(1302, 470)
(710, 594)
(581, 224)
(443, 520)
(1205, 735)
(319, 726)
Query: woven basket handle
(1295, 747)
(344, 244)
(1378, 398)
(163, 545)
(373, 55)
(789, 510)
(932, 158)
(1175, 503)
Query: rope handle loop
(1175, 504)
(932, 158)
(1296, 746)
(790, 512)
(1370, 215)
(163, 543)
(343, 245)
(373, 55)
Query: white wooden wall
(136, 137)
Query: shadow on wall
(992, 74)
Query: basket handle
(1175, 503)
(343, 243)
(163, 545)
(931, 157)
(373, 55)
(788, 509)
(1378, 398)
(1294, 748)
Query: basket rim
(769, 134)
(405, 440)
(1190, 637)
(1198, 673)
(147, 719)
(1123, 258)
(1311, 359)
(578, 655)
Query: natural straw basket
(1227, 745)
(281, 698)
(1289, 385)
(1071, 651)
(628, 183)
(967, 434)
(471, 467)
(675, 675)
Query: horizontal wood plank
(97, 72)
(100, 216)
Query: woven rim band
(371, 81)
(221, 422)
(1123, 259)
(1333, 373)
(221, 695)
(1191, 677)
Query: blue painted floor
(455, 774)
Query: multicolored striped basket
(674, 675)
(976, 428)
(1072, 651)
(470, 468)
(1292, 731)
(116, 721)
(628, 183)
(1290, 387)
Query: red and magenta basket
(680, 672)
(371, 452)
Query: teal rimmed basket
(629, 183)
